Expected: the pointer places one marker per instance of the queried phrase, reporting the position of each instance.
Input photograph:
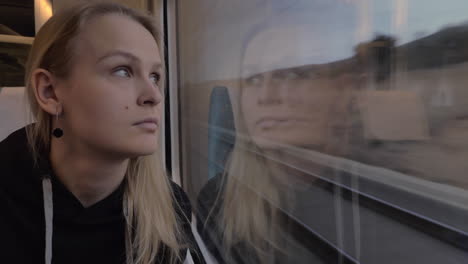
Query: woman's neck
(89, 176)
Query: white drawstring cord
(48, 217)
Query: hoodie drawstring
(48, 217)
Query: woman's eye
(254, 80)
(122, 72)
(155, 77)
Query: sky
(217, 28)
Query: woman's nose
(269, 91)
(150, 94)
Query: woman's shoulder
(16, 162)
(209, 200)
(184, 212)
(14, 144)
(211, 191)
(184, 207)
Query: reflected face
(291, 92)
(112, 102)
(289, 106)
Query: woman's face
(287, 104)
(112, 102)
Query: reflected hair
(149, 204)
(248, 210)
(252, 195)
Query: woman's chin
(136, 154)
(142, 149)
(285, 141)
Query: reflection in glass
(347, 149)
(12, 61)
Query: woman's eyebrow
(118, 53)
(126, 55)
(249, 70)
(157, 66)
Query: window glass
(16, 26)
(16, 35)
(326, 131)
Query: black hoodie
(80, 235)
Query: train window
(16, 32)
(17, 29)
(325, 131)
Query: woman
(285, 102)
(85, 182)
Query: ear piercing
(57, 132)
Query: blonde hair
(149, 204)
(252, 195)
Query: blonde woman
(85, 182)
(284, 102)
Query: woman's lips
(150, 124)
(271, 122)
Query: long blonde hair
(252, 195)
(149, 204)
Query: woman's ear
(44, 89)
